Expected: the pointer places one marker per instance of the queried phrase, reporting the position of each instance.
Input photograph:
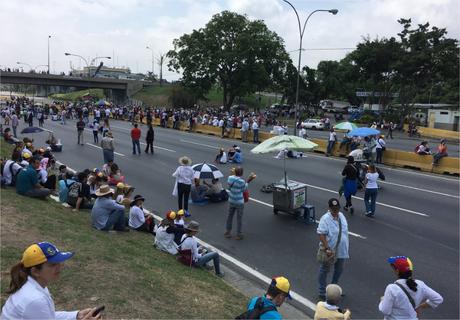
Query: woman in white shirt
(406, 297)
(184, 177)
(138, 220)
(29, 297)
(370, 195)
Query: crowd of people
(114, 208)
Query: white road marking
(200, 144)
(161, 148)
(420, 189)
(317, 221)
(93, 145)
(304, 301)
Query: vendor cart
(291, 198)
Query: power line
(331, 48)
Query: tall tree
(241, 56)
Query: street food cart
(291, 198)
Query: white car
(313, 124)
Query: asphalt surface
(417, 215)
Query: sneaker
(239, 237)
(227, 234)
(369, 214)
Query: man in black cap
(333, 245)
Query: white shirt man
(10, 167)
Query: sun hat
(282, 284)
(333, 203)
(104, 190)
(109, 134)
(137, 197)
(185, 161)
(41, 252)
(192, 226)
(171, 215)
(401, 263)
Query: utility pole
(160, 61)
(49, 37)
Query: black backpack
(258, 310)
(74, 190)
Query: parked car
(352, 109)
(313, 124)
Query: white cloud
(99, 27)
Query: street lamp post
(76, 55)
(49, 37)
(301, 33)
(153, 60)
(95, 59)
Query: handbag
(185, 256)
(322, 256)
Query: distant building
(437, 115)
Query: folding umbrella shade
(363, 132)
(284, 143)
(31, 130)
(206, 171)
(345, 126)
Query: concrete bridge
(117, 89)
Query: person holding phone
(29, 298)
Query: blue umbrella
(32, 130)
(363, 132)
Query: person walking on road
(331, 142)
(350, 182)
(184, 178)
(108, 147)
(380, 148)
(14, 123)
(135, 137)
(255, 131)
(370, 195)
(406, 297)
(266, 306)
(96, 131)
(80, 130)
(237, 186)
(150, 137)
(333, 245)
(244, 130)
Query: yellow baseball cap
(181, 212)
(26, 155)
(282, 284)
(171, 215)
(41, 252)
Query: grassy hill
(123, 271)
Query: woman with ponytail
(406, 297)
(29, 296)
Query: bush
(181, 98)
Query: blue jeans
(108, 155)
(323, 272)
(330, 146)
(214, 256)
(136, 144)
(370, 197)
(116, 220)
(256, 135)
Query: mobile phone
(98, 310)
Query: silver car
(315, 124)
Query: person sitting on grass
(330, 308)
(27, 181)
(115, 175)
(29, 298)
(197, 255)
(138, 219)
(64, 185)
(79, 195)
(106, 213)
(165, 233)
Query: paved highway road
(417, 215)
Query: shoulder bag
(322, 256)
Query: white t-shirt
(7, 170)
(33, 301)
(95, 126)
(190, 243)
(380, 143)
(223, 158)
(184, 174)
(255, 126)
(372, 180)
(332, 136)
(136, 217)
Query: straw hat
(109, 134)
(104, 190)
(186, 161)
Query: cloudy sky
(123, 28)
